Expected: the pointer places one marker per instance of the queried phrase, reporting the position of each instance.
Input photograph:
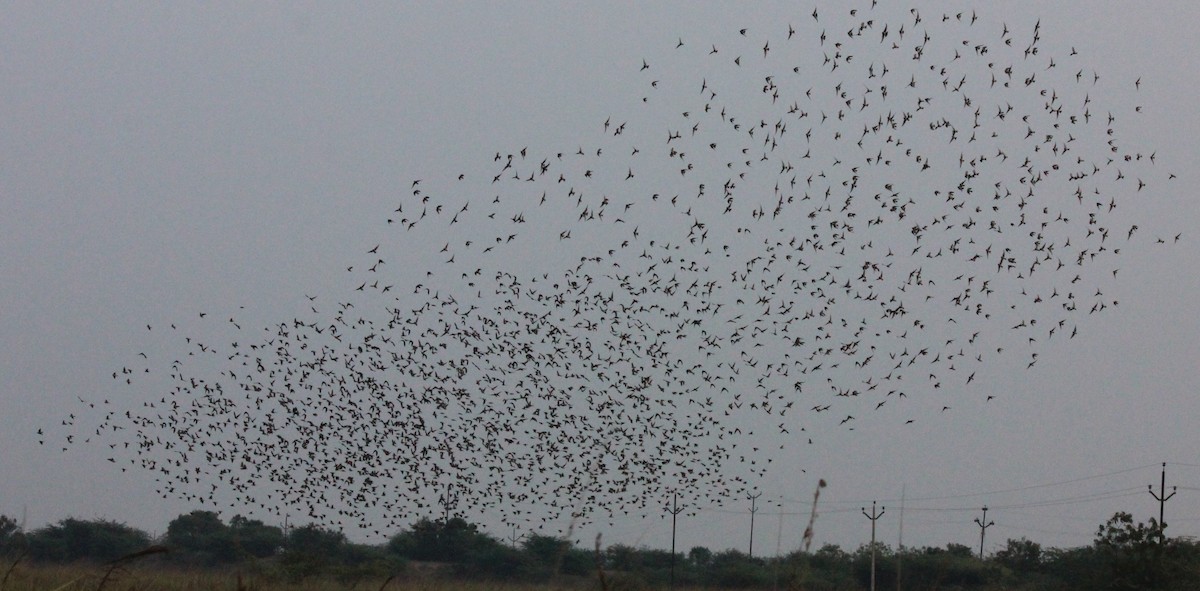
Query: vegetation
(200, 551)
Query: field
(150, 578)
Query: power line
(1098, 496)
(1044, 531)
(1051, 502)
(1102, 496)
(1003, 490)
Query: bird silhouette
(852, 211)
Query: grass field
(26, 577)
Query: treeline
(1125, 556)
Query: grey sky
(161, 160)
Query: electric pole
(447, 501)
(1162, 498)
(873, 516)
(674, 511)
(983, 525)
(514, 538)
(900, 540)
(753, 510)
(778, 547)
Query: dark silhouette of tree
(830, 564)
(253, 538)
(622, 558)
(1139, 557)
(1021, 555)
(315, 541)
(1081, 568)
(700, 557)
(440, 541)
(956, 565)
(735, 569)
(474, 554)
(1125, 556)
(546, 550)
(200, 537)
(885, 565)
(72, 540)
(10, 534)
(310, 550)
(552, 555)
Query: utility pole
(778, 547)
(1162, 497)
(448, 501)
(983, 525)
(514, 538)
(873, 516)
(675, 511)
(900, 541)
(753, 510)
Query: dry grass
(27, 577)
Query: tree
(72, 540)
(733, 568)
(440, 541)
(1081, 568)
(960, 550)
(700, 557)
(201, 537)
(493, 561)
(311, 549)
(1022, 556)
(10, 532)
(314, 541)
(552, 555)
(545, 550)
(955, 565)
(13, 545)
(831, 558)
(620, 557)
(885, 565)
(253, 538)
(1139, 557)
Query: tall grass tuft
(11, 567)
(386, 581)
(128, 558)
(600, 566)
(812, 518)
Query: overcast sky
(159, 160)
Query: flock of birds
(860, 210)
